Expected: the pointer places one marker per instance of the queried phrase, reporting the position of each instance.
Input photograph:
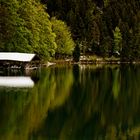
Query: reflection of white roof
(13, 81)
(13, 56)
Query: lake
(85, 102)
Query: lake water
(85, 102)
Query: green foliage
(82, 16)
(106, 3)
(14, 34)
(25, 27)
(95, 21)
(42, 39)
(102, 27)
(76, 53)
(64, 41)
(117, 40)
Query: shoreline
(95, 62)
(38, 64)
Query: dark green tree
(95, 21)
(76, 53)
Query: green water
(73, 103)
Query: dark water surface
(72, 103)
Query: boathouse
(14, 59)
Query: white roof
(13, 81)
(13, 56)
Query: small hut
(14, 59)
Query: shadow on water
(74, 103)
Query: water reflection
(16, 81)
(74, 103)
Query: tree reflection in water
(74, 103)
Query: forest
(60, 28)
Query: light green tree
(25, 27)
(117, 41)
(106, 3)
(37, 21)
(64, 41)
(13, 31)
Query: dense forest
(52, 28)
(25, 26)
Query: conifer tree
(117, 41)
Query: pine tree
(117, 41)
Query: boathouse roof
(14, 56)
